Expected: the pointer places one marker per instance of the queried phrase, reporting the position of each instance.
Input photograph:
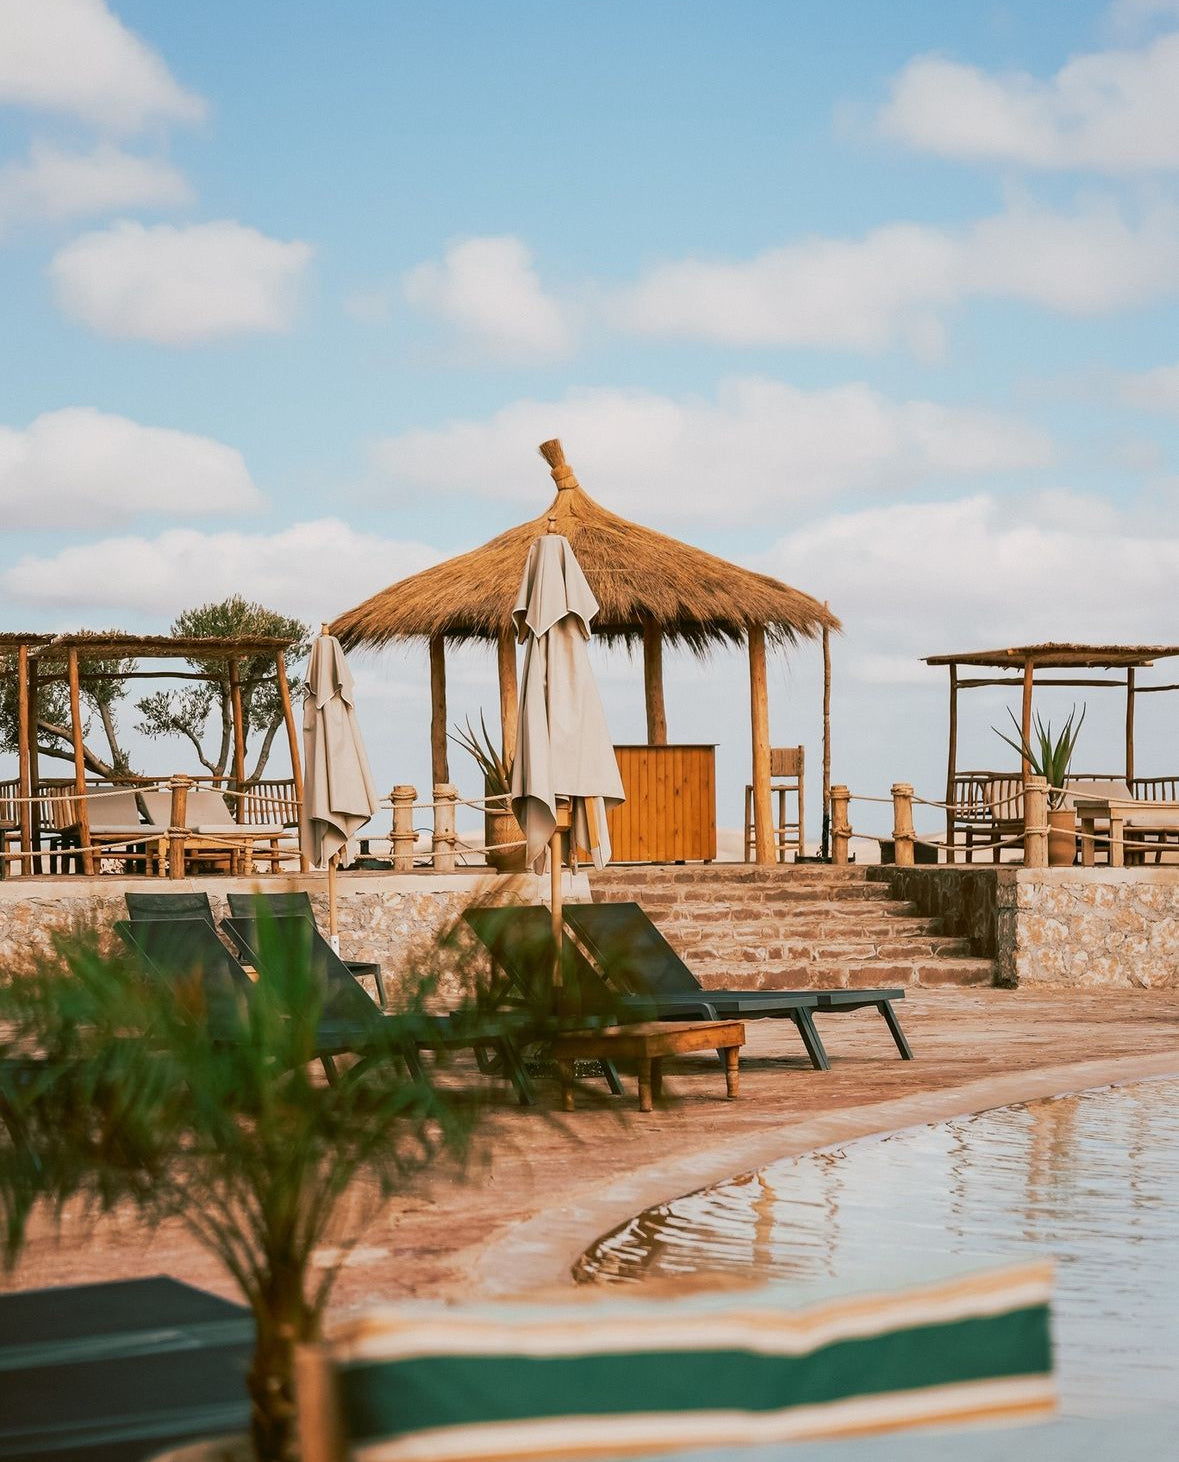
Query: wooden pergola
(652, 590)
(1019, 666)
(36, 660)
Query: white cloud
(313, 570)
(74, 56)
(1131, 17)
(922, 579)
(1154, 390)
(180, 286)
(55, 184)
(762, 444)
(897, 281)
(84, 468)
(1114, 111)
(488, 289)
(826, 292)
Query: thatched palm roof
(638, 576)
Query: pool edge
(539, 1253)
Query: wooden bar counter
(669, 815)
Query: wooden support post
(178, 785)
(25, 781)
(1025, 719)
(763, 816)
(653, 683)
(1035, 822)
(952, 767)
(402, 836)
(239, 740)
(840, 824)
(824, 847)
(509, 694)
(34, 762)
(288, 715)
(439, 758)
(82, 812)
(317, 1398)
(445, 798)
(1130, 726)
(902, 824)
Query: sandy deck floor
(541, 1186)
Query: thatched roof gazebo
(650, 587)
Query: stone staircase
(793, 927)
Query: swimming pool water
(1091, 1179)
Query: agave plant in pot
(502, 834)
(1049, 756)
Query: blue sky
(881, 299)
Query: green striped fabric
(611, 1377)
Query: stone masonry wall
(1093, 926)
(968, 900)
(390, 918)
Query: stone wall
(390, 918)
(1056, 926)
(1116, 927)
(967, 899)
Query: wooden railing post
(445, 798)
(902, 824)
(402, 836)
(177, 828)
(840, 824)
(1035, 822)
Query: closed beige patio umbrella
(563, 746)
(339, 797)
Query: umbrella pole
(333, 912)
(555, 905)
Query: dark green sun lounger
(520, 941)
(636, 958)
(298, 906)
(349, 1010)
(188, 950)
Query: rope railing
(1032, 839)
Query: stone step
(740, 892)
(836, 975)
(760, 948)
(661, 875)
(739, 929)
(733, 868)
(846, 915)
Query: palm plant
(1048, 756)
(118, 1089)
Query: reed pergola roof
(102, 645)
(1025, 661)
(639, 577)
(1059, 656)
(35, 659)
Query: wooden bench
(647, 1043)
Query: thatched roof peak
(639, 576)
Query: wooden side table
(647, 1043)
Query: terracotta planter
(1062, 837)
(500, 826)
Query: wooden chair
(786, 779)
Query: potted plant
(502, 834)
(1050, 756)
(117, 1090)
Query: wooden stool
(786, 776)
(647, 1043)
